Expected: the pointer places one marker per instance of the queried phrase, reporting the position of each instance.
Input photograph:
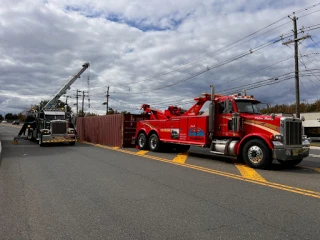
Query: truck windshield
(248, 106)
(54, 117)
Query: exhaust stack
(211, 113)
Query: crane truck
(234, 127)
(52, 124)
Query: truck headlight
(71, 131)
(277, 138)
(46, 132)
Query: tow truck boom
(63, 90)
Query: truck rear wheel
(290, 163)
(142, 141)
(154, 143)
(256, 154)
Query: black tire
(72, 143)
(28, 135)
(290, 163)
(142, 141)
(154, 143)
(31, 138)
(256, 154)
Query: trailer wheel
(256, 154)
(154, 143)
(72, 143)
(290, 163)
(142, 141)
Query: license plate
(297, 152)
(60, 139)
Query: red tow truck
(233, 127)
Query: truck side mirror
(227, 106)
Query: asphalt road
(89, 192)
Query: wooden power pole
(107, 102)
(296, 62)
(82, 109)
(77, 97)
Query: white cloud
(43, 43)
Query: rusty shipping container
(112, 130)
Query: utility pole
(296, 61)
(67, 99)
(67, 103)
(82, 103)
(107, 103)
(77, 97)
(88, 91)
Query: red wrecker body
(233, 127)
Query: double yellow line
(256, 179)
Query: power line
(210, 54)
(251, 86)
(315, 42)
(208, 68)
(200, 72)
(307, 68)
(305, 9)
(235, 79)
(223, 49)
(309, 14)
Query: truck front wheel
(154, 143)
(256, 154)
(142, 141)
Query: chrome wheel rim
(255, 154)
(142, 141)
(153, 142)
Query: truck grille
(293, 133)
(58, 127)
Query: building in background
(311, 125)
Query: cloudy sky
(158, 52)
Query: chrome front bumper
(58, 138)
(290, 153)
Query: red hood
(261, 123)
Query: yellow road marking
(115, 148)
(181, 157)
(312, 168)
(248, 172)
(142, 152)
(287, 188)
